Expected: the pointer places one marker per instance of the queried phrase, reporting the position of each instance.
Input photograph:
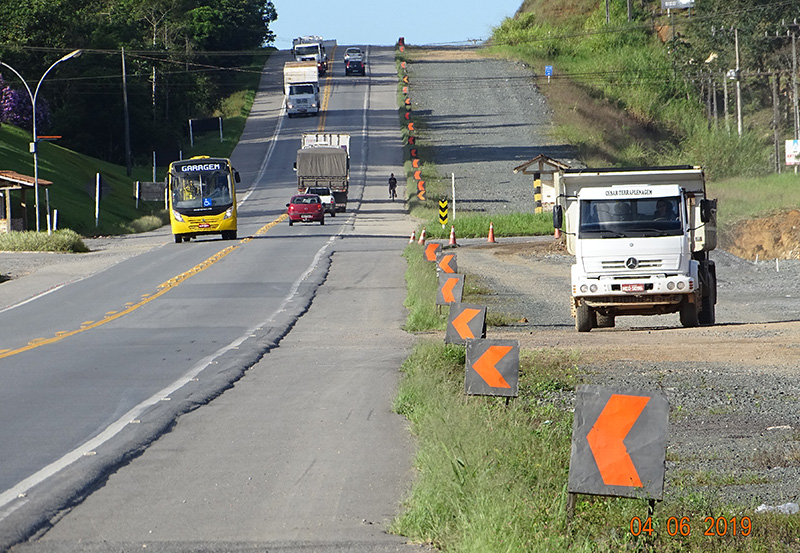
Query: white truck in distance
(311, 48)
(641, 239)
(301, 87)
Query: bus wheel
(178, 238)
(229, 235)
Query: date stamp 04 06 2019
(682, 526)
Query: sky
(382, 22)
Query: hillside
(72, 193)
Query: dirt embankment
(773, 237)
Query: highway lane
(98, 369)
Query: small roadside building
(543, 189)
(12, 181)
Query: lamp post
(34, 145)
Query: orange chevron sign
(486, 366)
(606, 440)
(421, 195)
(465, 322)
(451, 288)
(619, 442)
(432, 249)
(418, 174)
(421, 185)
(447, 292)
(492, 367)
(461, 322)
(415, 162)
(446, 262)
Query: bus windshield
(630, 217)
(195, 191)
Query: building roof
(17, 181)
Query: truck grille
(619, 264)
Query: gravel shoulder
(733, 389)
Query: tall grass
(633, 69)
(476, 225)
(422, 284)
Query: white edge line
(116, 427)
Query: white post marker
(97, 200)
(453, 180)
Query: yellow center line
(146, 298)
(326, 96)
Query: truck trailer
(324, 160)
(641, 238)
(301, 87)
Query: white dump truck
(641, 239)
(311, 48)
(301, 87)
(324, 160)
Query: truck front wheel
(585, 318)
(689, 314)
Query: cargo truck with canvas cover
(324, 160)
(641, 239)
(301, 87)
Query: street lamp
(34, 145)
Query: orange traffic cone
(422, 236)
(453, 236)
(413, 237)
(491, 239)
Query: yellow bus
(202, 198)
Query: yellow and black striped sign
(443, 212)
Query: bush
(66, 241)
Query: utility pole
(738, 86)
(794, 87)
(128, 168)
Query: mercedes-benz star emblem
(631, 263)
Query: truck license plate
(633, 287)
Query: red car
(306, 208)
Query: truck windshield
(296, 90)
(194, 191)
(630, 217)
(311, 50)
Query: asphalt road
(303, 453)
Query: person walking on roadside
(392, 187)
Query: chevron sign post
(465, 322)
(451, 288)
(443, 213)
(492, 368)
(619, 442)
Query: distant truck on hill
(311, 48)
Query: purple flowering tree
(15, 108)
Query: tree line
(180, 59)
